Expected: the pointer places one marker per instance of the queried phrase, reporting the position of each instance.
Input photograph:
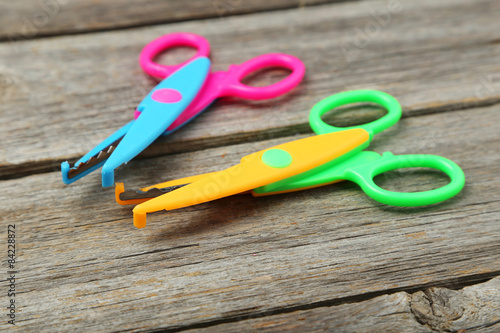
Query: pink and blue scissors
(186, 90)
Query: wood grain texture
(64, 95)
(471, 309)
(84, 267)
(26, 19)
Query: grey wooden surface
(324, 259)
(28, 19)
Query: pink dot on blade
(166, 95)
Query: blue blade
(157, 114)
(65, 167)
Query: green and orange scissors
(333, 155)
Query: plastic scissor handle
(383, 99)
(231, 85)
(364, 174)
(160, 44)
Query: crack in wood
(159, 251)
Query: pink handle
(232, 85)
(150, 51)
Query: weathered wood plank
(84, 267)
(26, 19)
(471, 309)
(61, 96)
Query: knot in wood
(438, 307)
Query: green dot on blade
(277, 158)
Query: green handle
(356, 96)
(364, 174)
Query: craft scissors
(333, 155)
(186, 90)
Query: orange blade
(257, 169)
(120, 188)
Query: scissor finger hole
(175, 55)
(353, 114)
(411, 180)
(265, 76)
